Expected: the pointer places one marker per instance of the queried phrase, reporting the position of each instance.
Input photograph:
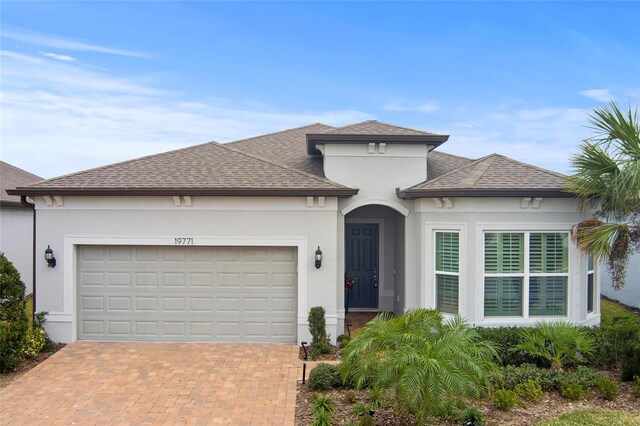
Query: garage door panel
(187, 293)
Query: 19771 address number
(183, 241)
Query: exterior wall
(265, 221)
(472, 217)
(16, 240)
(630, 293)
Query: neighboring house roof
(372, 131)
(12, 177)
(207, 169)
(490, 176)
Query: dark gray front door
(362, 264)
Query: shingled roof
(374, 127)
(11, 177)
(207, 169)
(490, 176)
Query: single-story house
(219, 242)
(16, 222)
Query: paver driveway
(157, 383)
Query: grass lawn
(611, 310)
(593, 418)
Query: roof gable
(493, 175)
(12, 177)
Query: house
(16, 222)
(630, 293)
(218, 242)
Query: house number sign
(183, 241)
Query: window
(525, 270)
(447, 271)
(590, 284)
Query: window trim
(428, 278)
(527, 230)
(592, 273)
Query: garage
(187, 293)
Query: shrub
(342, 340)
(375, 398)
(322, 418)
(350, 397)
(323, 403)
(505, 399)
(630, 362)
(608, 350)
(14, 323)
(510, 377)
(504, 339)
(324, 377)
(557, 342)
(573, 390)
(530, 390)
(318, 329)
(473, 416)
(41, 318)
(34, 343)
(584, 376)
(428, 362)
(607, 388)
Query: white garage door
(220, 294)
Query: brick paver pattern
(157, 383)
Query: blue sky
(89, 83)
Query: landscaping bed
(26, 365)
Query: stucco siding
(209, 221)
(16, 238)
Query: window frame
(591, 273)
(436, 272)
(526, 275)
(428, 277)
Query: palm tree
(429, 363)
(607, 175)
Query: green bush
(322, 418)
(323, 403)
(607, 388)
(318, 329)
(608, 350)
(473, 416)
(630, 362)
(573, 390)
(504, 339)
(558, 342)
(324, 377)
(584, 376)
(510, 377)
(428, 362)
(375, 398)
(505, 399)
(34, 343)
(14, 323)
(342, 340)
(530, 390)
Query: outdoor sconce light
(48, 256)
(318, 258)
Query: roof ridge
(279, 131)
(473, 162)
(107, 166)
(542, 169)
(384, 123)
(495, 157)
(291, 169)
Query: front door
(362, 264)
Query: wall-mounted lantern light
(48, 256)
(318, 258)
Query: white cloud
(47, 40)
(425, 108)
(64, 58)
(74, 118)
(601, 95)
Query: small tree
(14, 323)
(607, 172)
(318, 330)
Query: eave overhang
(314, 139)
(410, 194)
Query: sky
(84, 84)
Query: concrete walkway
(157, 383)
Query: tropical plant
(375, 397)
(360, 409)
(323, 403)
(558, 342)
(607, 173)
(473, 416)
(429, 363)
(322, 418)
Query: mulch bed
(335, 354)
(27, 365)
(551, 406)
